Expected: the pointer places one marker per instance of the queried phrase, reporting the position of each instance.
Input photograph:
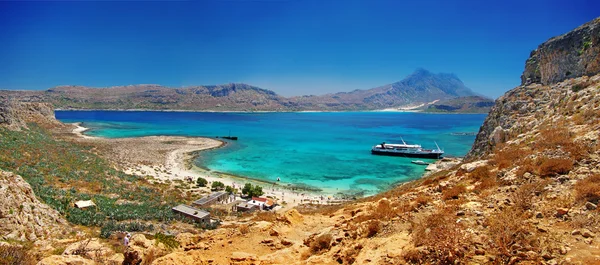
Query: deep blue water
(329, 150)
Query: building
(267, 203)
(193, 213)
(84, 204)
(215, 197)
(245, 207)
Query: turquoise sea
(329, 150)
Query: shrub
(422, 200)
(442, 236)
(454, 192)
(15, 255)
(373, 228)
(217, 185)
(201, 182)
(321, 243)
(554, 166)
(230, 190)
(168, 240)
(588, 189)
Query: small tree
(252, 191)
(230, 190)
(217, 185)
(201, 182)
(247, 188)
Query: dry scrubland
(527, 193)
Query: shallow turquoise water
(326, 150)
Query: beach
(168, 159)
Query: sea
(329, 151)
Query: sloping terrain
(418, 88)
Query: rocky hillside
(419, 88)
(471, 104)
(22, 216)
(572, 55)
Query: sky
(291, 47)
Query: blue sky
(290, 47)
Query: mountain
(417, 89)
(420, 87)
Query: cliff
(574, 55)
(15, 115)
(571, 55)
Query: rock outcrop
(567, 56)
(574, 55)
(15, 115)
(23, 216)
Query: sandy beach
(170, 158)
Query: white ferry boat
(406, 150)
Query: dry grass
(15, 255)
(244, 229)
(506, 156)
(510, 235)
(525, 196)
(454, 192)
(588, 189)
(549, 167)
(445, 240)
(265, 216)
(373, 227)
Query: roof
(84, 204)
(210, 197)
(257, 203)
(182, 208)
(246, 205)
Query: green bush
(201, 182)
(217, 185)
(252, 191)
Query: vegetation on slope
(61, 173)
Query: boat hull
(415, 155)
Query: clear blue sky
(291, 47)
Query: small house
(193, 213)
(215, 197)
(245, 207)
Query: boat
(406, 150)
(229, 137)
(419, 162)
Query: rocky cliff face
(16, 115)
(22, 216)
(567, 56)
(573, 56)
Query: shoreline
(275, 111)
(177, 164)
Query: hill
(419, 88)
(469, 104)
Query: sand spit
(170, 158)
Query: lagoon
(328, 150)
